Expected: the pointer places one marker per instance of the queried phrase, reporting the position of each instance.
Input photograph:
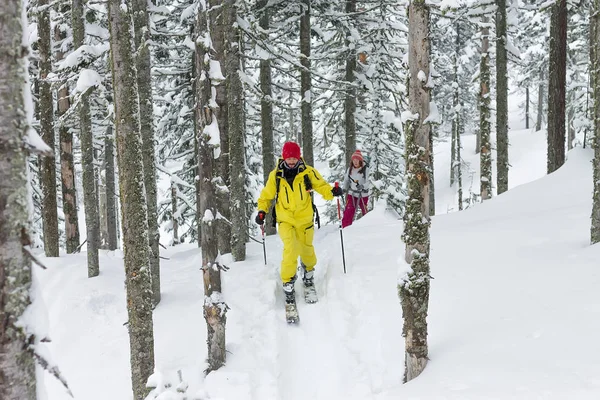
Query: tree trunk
(527, 107)
(218, 21)
(144, 81)
(90, 196)
(557, 78)
(133, 202)
(350, 94)
(215, 308)
(175, 216)
(485, 155)
(111, 196)
(540, 105)
(414, 286)
(501, 99)
(67, 169)
(237, 151)
(46, 111)
(17, 366)
(595, 78)
(305, 83)
(266, 113)
(570, 129)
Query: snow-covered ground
(514, 308)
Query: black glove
(337, 191)
(260, 217)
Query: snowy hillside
(513, 313)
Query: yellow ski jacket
(294, 205)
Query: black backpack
(309, 188)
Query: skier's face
(356, 162)
(291, 161)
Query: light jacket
(355, 183)
(293, 206)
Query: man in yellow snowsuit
(290, 184)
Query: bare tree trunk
(414, 286)
(459, 129)
(557, 78)
(485, 154)
(595, 78)
(218, 20)
(133, 202)
(527, 107)
(570, 129)
(111, 196)
(540, 105)
(306, 83)
(174, 217)
(90, 196)
(501, 99)
(67, 169)
(215, 309)
(266, 113)
(17, 366)
(237, 151)
(46, 109)
(144, 81)
(350, 95)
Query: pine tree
(17, 367)
(133, 202)
(208, 143)
(501, 98)
(142, 39)
(414, 286)
(306, 142)
(595, 57)
(484, 115)
(557, 86)
(46, 111)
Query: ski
(310, 294)
(291, 313)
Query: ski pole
(340, 226)
(262, 228)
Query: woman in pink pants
(356, 185)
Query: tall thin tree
(46, 112)
(557, 85)
(306, 82)
(133, 202)
(350, 95)
(215, 309)
(485, 153)
(414, 286)
(594, 45)
(111, 196)
(501, 98)
(144, 81)
(90, 194)
(235, 115)
(17, 366)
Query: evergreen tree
(595, 57)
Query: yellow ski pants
(297, 241)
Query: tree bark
(133, 202)
(501, 99)
(90, 195)
(111, 196)
(266, 113)
(306, 83)
(540, 105)
(485, 153)
(527, 107)
(350, 94)
(557, 78)
(46, 112)
(237, 151)
(67, 169)
(174, 216)
(414, 286)
(144, 81)
(218, 30)
(215, 308)
(594, 43)
(17, 366)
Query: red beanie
(290, 149)
(357, 155)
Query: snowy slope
(514, 308)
